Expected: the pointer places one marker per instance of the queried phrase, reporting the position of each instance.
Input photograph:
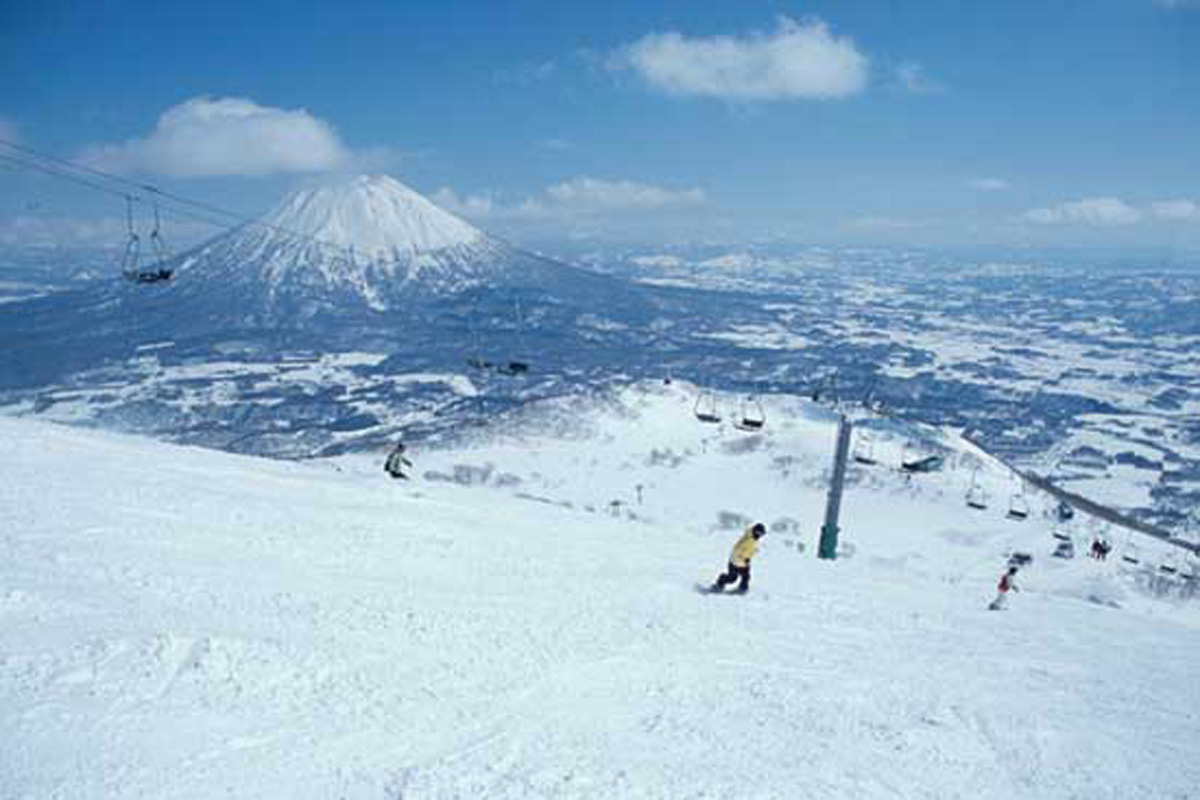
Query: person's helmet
(759, 529)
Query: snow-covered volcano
(376, 214)
(367, 239)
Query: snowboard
(705, 588)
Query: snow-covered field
(520, 620)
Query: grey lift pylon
(833, 505)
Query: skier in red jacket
(1008, 583)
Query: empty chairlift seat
(752, 417)
(930, 463)
(706, 408)
(1018, 507)
(864, 449)
(1019, 559)
(1065, 549)
(976, 497)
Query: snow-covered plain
(520, 620)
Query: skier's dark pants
(732, 575)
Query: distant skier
(396, 462)
(1100, 550)
(1008, 583)
(739, 560)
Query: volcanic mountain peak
(377, 215)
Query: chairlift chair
(1130, 554)
(1065, 549)
(864, 449)
(1020, 559)
(752, 417)
(828, 389)
(1018, 507)
(517, 366)
(976, 497)
(131, 267)
(929, 463)
(1064, 511)
(1191, 567)
(706, 408)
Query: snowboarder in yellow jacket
(739, 559)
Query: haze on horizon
(1011, 125)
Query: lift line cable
(179, 213)
(62, 168)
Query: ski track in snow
(181, 623)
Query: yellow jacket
(744, 550)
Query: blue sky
(935, 123)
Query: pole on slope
(829, 531)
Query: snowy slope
(182, 623)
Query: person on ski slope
(739, 559)
(1008, 582)
(396, 462)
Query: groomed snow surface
(181, 623)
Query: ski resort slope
(182, 623)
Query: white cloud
(226, 136)
(9, 130)
(796, 60)
(486, 205)
(595, 193)
(1177, 3)
(988, 184)
(1097, 211)
(1185, 210)
(571, 199)
(913, 78)
(478, 205)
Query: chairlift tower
(833, 504)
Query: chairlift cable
(60, 174)
(125, 195)
(62, 168)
